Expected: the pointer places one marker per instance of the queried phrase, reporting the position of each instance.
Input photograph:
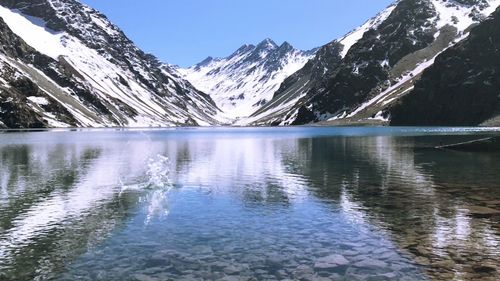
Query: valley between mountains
(418, 62)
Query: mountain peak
(286, 46)
(205, 62)
(268, 44)
(243, 49)
(243, 82)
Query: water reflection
(94, 205)
(251, 168)
(59, 199)
(420, 197)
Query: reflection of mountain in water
(422, 198)
(56, 201)
(419, 196)
(60, 195)
(253, 168)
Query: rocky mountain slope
(246, 80)
(64, 64)
(357, 78)
(462, 87)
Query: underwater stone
(331, 262)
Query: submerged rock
(143, 277)
(484, 269)
(233, 278)
(331, 262)
(370, 263)
(423, 261)
(483, 211)
(232, 270)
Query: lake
(248, 204)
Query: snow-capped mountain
(371, 68)
(246, 80)
(64, 64)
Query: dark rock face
(472, 2)
(15, 109)
(326, 60)
(461, 88)
(15, 114)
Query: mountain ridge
(245, 80)
(64, 64)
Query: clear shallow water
(261, 204)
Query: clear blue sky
(184, 32)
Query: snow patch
(339, 116)
(33, 31)
(458, 15)
(38, 100)
(104, 25)
(379, 117)
(354, 36)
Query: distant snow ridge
(241, 83)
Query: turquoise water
(248, 204)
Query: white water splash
(158, 171)
(157, 207)
(157, 176)
(159, 181)
(157, 184)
